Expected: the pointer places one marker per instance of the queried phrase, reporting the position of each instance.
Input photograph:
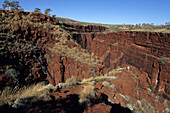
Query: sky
(104, 11)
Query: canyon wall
(148, 51)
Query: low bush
(162, 61)
(106, 84)
(152, 89)
(36, 91)
(14, 74)
(88, 94)
(71, 82)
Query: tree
(37, 10)
(53, 16)
(47, 11)
(15, 5)
(167, 23)
(6, 4)
(12, 5)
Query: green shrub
(152, 89)
(37, 10)
(162, 61)
(79, 79)
(87, 48)
(53, 16)
(14, 74)
(47, 11)
(137, 90)
(71, 82)
(97, 74)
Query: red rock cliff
(148, 51)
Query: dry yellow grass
(155, 30)
(9, 94)
(98, 78)
(117, 28)
(113, 72)
(88, 94)
(109, 76)
(70, 82)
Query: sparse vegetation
(141, 106)
(139, 27)
(87, 48)
(137, 91)
(98, 78)
(37, 91)
(71, 82)
(106, 84)
(88, 94)
(113, 72)
(53, 16)
(47, 11)
(165, 105)
(14, 5)
(37, 10)
(79, 80)
(109, 76)
(75, 53)
(14, 74)
(162, 61)
(152, 89)
(117, 28)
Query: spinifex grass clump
(88, 94)
(71, 82)
(9, 94)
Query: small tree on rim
(47, 11)
(37, 10)
(12, 5)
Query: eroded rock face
(145, 50)
(62, 68)
(81, 28)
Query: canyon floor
(52, 64)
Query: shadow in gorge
(70, 104)
(116, 108)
